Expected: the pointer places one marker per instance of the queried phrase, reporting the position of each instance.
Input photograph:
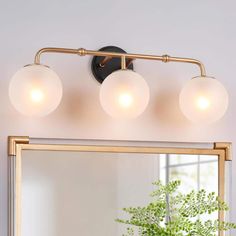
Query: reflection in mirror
(82, 193)
(195, 171)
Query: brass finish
(13, 141)
(165, 58)
(227, 147)
(18, 144)
(223, 157)
(221, 184)
(123, 63)
(105, 61)
(83, 52)
(121, 149)
(79, 51)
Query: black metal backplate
(100, 73)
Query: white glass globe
(203, 100)
(35, 90)
(124, 94)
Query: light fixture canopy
(102, 67)
(36, 90)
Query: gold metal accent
(83, 52)
(18, 144)
(123, 63)
(105, 61)
(18, 189)
(15, 185)
(221, 184)
(227, 147)
(109, 58)
(226, 155)
(80, 51)
(165, 58)
(13, 141)
(121, 149)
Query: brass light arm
(104, 61)
(83, 52)
(187, 60)
(123, 63)
(54, 50)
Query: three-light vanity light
(36, 90)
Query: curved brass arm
(84, 52)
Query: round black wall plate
(100, 73)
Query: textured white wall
(201, 29)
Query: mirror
(81, 190)
(65, 193)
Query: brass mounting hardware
(109, 58)
(102, 67)
(222, 149)
(165, 58)
(123, 63)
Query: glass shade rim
(204, 77)
(34, 64)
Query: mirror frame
(16, 144)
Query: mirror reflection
(82, 193)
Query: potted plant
(171, 213)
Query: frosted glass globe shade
(35, 90)
(124, 94)
(203, 100)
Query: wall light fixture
(36, 90)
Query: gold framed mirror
(38, 162)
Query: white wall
(202, 29)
